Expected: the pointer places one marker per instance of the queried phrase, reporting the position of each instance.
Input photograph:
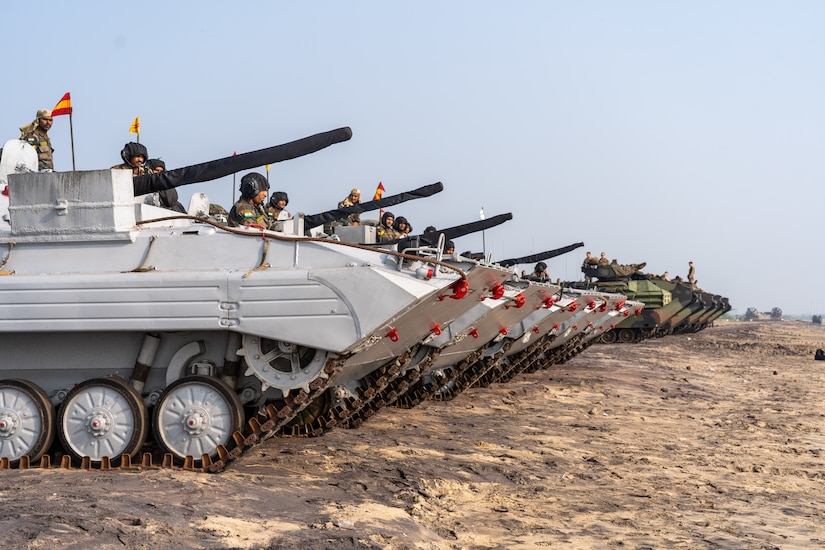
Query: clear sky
(655, 131)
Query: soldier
(385, 231)
(352, 199)
(36, 134)
(155, 165)
(277, 206)
(540, 273)
(603, 259)
(665, 277)
(134, 155)
(691, 276)
(401, 226)
(589, 262)
(250, 207)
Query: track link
(373, 393)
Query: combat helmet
(252, 184)
(133, 149)
(278, 196)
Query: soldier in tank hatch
(277, 206)
(134, 155)
(155, 165)
(36, 134)
(401, 226)
(352, 199)
(385, 231)
(540, 273)
(250, 207)
(590, 261)
(691, 276)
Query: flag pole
(71, 137)
(483, 237)
(235, 175)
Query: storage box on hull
(72, 205)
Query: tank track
(266, 424)
(454, 380)
(425, 388)
(373, 391)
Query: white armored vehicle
(123, 323)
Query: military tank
(670, 307)
(126, 325)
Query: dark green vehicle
(670, 306)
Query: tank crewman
(155, 165)
(277, 206)
(134, 155)
(603, 259)
(36, 134)
(401, 226)
(449, 248)
(590, 261)
(352, 199)
(385, 231)
(540, 273)
(250, 207)
(691, 276)
(665, 276)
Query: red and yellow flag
(379, 191)
(135, 128)
(64, 106)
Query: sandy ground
(713, 440)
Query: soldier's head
(400, 223)
(279, 200)
(156, 165)
(449, 247)
(134, 154)
(355, 196)
(254, 187)
(541, 267)
(387, 219)
(44, 119)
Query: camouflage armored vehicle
(670, 306)
(125, 323)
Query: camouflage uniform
(43, 145)
(384, 233)
(245, 213)
(355, 217)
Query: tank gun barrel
(332, 215)
(468, 228)
(214, 169)
(546, 255)
(431, 239)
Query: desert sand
(710, 440)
